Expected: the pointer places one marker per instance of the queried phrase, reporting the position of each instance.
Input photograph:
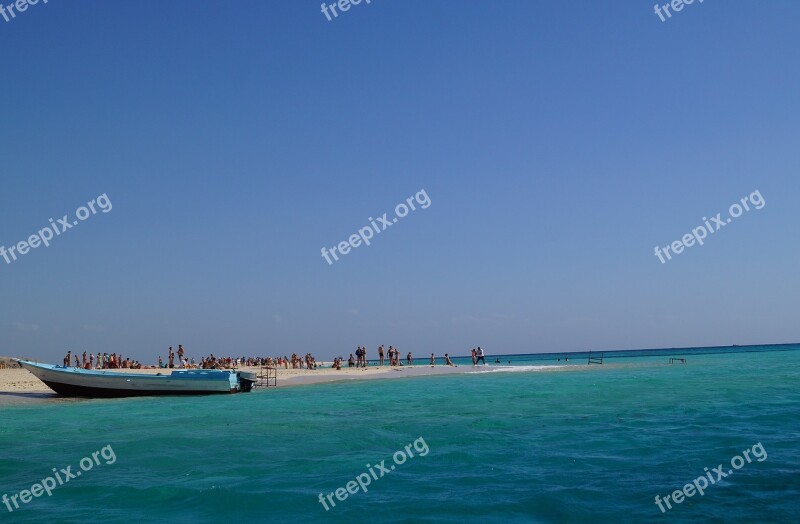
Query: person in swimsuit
(447, 360)
(433, 360)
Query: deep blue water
(571, 444)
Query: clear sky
(559, 143)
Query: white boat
(77, 382)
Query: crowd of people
(212, 362)
(179, 360)
(114, 361)
(360, 359)
(103, 361)
(393, 355)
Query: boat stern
(246, 380)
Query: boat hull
(76, 382)
(71, 390)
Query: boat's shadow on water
(27, 395)
(11, 398)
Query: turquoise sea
(528, 444)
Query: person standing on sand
(474, 357)
(380, 354)
(171, 358)
(479, 355)
(433, 360)
(410, 359)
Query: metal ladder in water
(268, 377)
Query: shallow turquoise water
(578, 444)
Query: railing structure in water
(595, 360)
(268, 377)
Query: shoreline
(21, 387)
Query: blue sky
(559, 143)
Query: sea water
(531, 442)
